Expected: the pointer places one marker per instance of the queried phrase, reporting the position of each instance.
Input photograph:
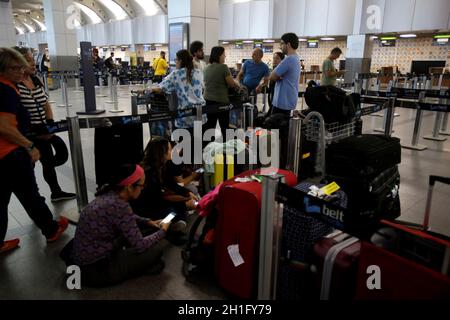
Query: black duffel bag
(333, 103)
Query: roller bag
(363, 155)
(299, 234)
(115, 146)
(414, 262)
(335, 266)
(375, 198)
(238, 226)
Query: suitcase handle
(441, 179)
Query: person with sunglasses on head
(111, 243)
(18, 155)
(35, 100)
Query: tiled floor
(35, 271)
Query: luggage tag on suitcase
(233, 252)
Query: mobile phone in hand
(168, 218)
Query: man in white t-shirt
(196, 49)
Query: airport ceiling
(29, 14)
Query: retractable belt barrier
(428, 100)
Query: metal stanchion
(76, 152)
(443, 130)
(414, 82)
(389, 119)
(294, 147)
(417, 125)
(111, 88)
(64, 94)
(45, 80)
(115, 99)
(269, 242)
(198, 116)
(437, 124)
(100, 86)
(77, 83)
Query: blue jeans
(17, 176)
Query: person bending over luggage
(277, 58)
(253, 71)
(161, 192)
(111, 243)
(329, 72)
(18, 155)
(187, 83)
(35, 100)
(217, 81)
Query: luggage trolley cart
(323, 134)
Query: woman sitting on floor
(111, 242)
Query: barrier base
(91, 112)
(77, 91)
(377, 115)
(51, 101)
(381, 130)
(434, 138)
(116, 111)
(101, 95)
(444, 133)
(417, 147)
(396, 115)
(73, 215)
(63, 105)
(111, 102)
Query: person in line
(253, 71)
(109, 63)
(34, 98)
(286, 76)
(18, 155)
(160, 67)
(217, 81)
(111, 243)
(329, 72)
(162, 193)
(277, 58)
(187, 83)
(196, 49)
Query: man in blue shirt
(287, 76)
(253, 71)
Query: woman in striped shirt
(35, 100)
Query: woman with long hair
(35, 100)
(187, 83)
(217, 81)
(162, 194)
(111, 243)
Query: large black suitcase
(371, 198)
(114, 146)
(363, 155)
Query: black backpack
(333, 103)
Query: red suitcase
(238, 224)
(335, 264)
(412, 262)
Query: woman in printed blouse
(187, 83)
(109, 246)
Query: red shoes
(9, 245)
(62, 226)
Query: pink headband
(137, 174)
